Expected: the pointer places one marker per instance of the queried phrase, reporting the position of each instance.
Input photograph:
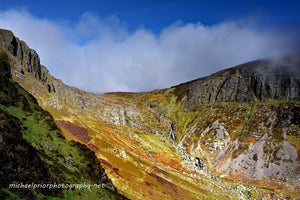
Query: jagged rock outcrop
(28, 57)
(264, 79)
(51, 92)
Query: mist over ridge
(101, 55)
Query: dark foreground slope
(33, 150)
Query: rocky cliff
(244, 121)
(29, 59)
(234, 134)
(255, 131)
(274, 78)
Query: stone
(262, 79)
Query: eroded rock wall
(261, 80)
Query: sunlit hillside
(232, 135)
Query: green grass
(41, 132)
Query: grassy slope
(130, 155)
(66, 161)
(245, 122)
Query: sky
(140, 45)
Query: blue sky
(110, 45)
(157, 14)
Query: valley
(232, 135)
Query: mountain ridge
(267, 79)
(286, 66)
(226, 131)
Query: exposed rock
(263, 79)
(26, 60)
(19, 49)
(69, 160)
(214, 138)
(264, 159)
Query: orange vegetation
(167, 162)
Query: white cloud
(100, 55)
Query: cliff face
(29, 59)
(51, 92)
(261, 80)
(196, 140)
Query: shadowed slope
(33, 150)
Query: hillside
(33, 150)
(244, 120)
(234, 134)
